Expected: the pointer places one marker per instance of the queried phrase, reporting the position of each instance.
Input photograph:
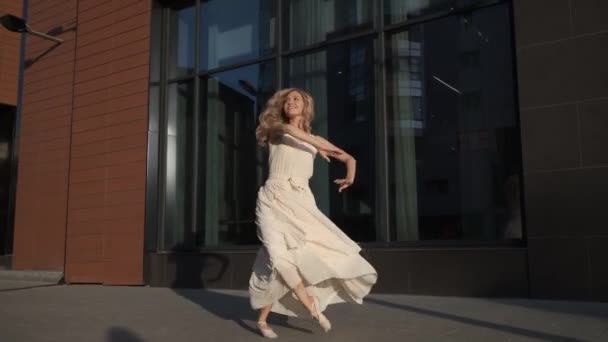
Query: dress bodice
(291, 157)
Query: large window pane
(234, 166)
(178, 233)
(401, 10)
(341, 80)
(312, 21)
(182, 26)
(236, 30)
(454, 158)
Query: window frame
(155, 201)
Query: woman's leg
(290, 274)
(308, 302)
(264, 313)
(304, 297)
(262, 325)
(292, 278)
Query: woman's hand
(327, 150)
(343, 183)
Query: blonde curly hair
(273, 114)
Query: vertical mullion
(382, 192)
(279, 44)
(162, 134)
(152, 168)
(195, 123)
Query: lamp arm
(42, 35)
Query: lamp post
(16, 24)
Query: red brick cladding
(9, 54)
(95, 96)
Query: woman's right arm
(319, 144)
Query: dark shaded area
(194, 273)
(7, 178)
(596, 310)
(27, 287)
(233, 308)
(118, 334)
(475, 322)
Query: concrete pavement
(32, 311)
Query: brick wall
(10, 44)
(100, 77)
(44, 145)
(109, 142)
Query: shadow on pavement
(590, 309)
(475, 322)
(198, 271)
(26, 287)
(118, 334)
(232, 307)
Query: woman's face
(294, 104)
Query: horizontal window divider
(237, 65)
(218, 249)
(444, 244)
(319, 46)
(180, 79)
(387, 246)
(440, 15)
(226, 222)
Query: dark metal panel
(478, 272)
(484, 272)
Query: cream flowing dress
(299, 242)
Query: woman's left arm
(341, 155)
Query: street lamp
(16, 24)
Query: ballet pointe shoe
(266, 331)
(318, 316)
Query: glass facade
(309, 22)
(453, 141)
(420, 92)
(234, 30)
(396, 11)
(179, 166)
(231, 165)
(340, 78)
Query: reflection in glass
(308, 22)
(454, 154)
(341, 80)
(178, 181)
(233, 31)
(182, 26)
(235, 166)
(402, 10)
